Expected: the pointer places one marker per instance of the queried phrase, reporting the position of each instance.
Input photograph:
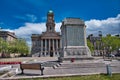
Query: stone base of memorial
(77, 53)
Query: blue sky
(14, 13)
(25, 17)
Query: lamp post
(107, 51)
(104, 53)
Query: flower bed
(10, 63)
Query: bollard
(42, 68)
(42, 71)
(109, 71)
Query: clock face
(50, 17)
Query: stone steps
(81, 65)
(78, 58)
(49, 64)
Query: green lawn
(91, 77)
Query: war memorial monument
(74, 45)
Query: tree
(22, 47)
(4, 47)
(90, 45)
(18, 46)
(13, 47)
(111, 41)
(1, 42)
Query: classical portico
(50, 47)
(48, 43)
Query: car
(110, 55)
(117, 55)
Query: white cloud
(27, 17)
(57, 27)
(29, 29)
(32, 28)
(108, 26)
(31, 17)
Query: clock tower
(48, 43)
(50, 24)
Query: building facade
(48, 43)
(97, 43)
(7, 36)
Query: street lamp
(104, 53)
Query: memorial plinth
(73, 38)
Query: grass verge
(89, 77)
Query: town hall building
(48, 43)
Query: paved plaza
(68, 68)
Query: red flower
(1, 63)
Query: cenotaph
(74, 45)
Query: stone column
(45, 46)
(49, 46)
(60, 47)
(41, 47)
(60, 43)
(57, 45)
(53, 47)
